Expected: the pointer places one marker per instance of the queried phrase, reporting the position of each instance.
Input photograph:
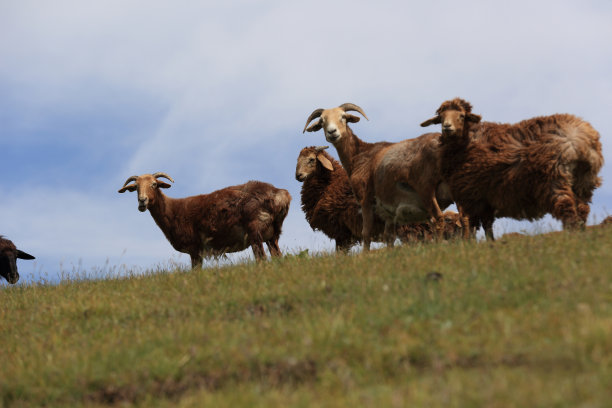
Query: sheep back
(226, 220)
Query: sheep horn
(321, 148)
(133, 178)
(352, 107)
(315, 114)
(164, 175)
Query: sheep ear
(131, 187)
(472, 117)
(161, 184)
(433, 121)
(24, 255)
(352, 119)
(315, 127)
(325, 162)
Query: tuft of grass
(524, 321)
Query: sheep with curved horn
(400, 182)
(226, 220)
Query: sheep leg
(343, 245)
(474, 223)
(258, 251)
(487, 224)
(273, 247)
(469, 232)
(390, 233)
(437, 222)
(583, 211)
(564, 208)
(367, 212)
(487, 218)
(196, 261)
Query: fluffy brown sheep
(547, 164)
(607, 220)
(401, 182)
(226, 220)
(8, 260)
(330, 206)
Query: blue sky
(217, 93)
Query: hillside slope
(525, 321)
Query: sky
(217, 93)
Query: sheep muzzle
(332, 135)
(142, 204)
(8, 269)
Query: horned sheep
(226, 220)
(547, 164)
(8, 260)
(401, 182)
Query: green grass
(523, 322)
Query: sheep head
(307, 162)
(8, 260)
(147, 187)
(333, 121)
(454, 116)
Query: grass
(526, 321)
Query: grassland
(523, 322)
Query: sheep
(210, 225)
(330, 206)
(547, 164)
(327, 199)
(452, 228)
(401, 182)
(8, 260)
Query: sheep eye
(154, 185)
(311, 160)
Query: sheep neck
(313, 189)
(458, 143)
(348, 147)
(163, 212)
(454, 152)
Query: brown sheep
(8, 260)
(547, 164)
(331, 207)
(327, 199)
(607, 220)
(451, 228)
(401, 182)
(226, 220)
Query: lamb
(330, 206)
(210, 225)
(547, 164)
(452, 228)
(401, 182)
(8, 260)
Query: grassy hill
(525, 321)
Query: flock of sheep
(384, 191)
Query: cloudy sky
(217, 93)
